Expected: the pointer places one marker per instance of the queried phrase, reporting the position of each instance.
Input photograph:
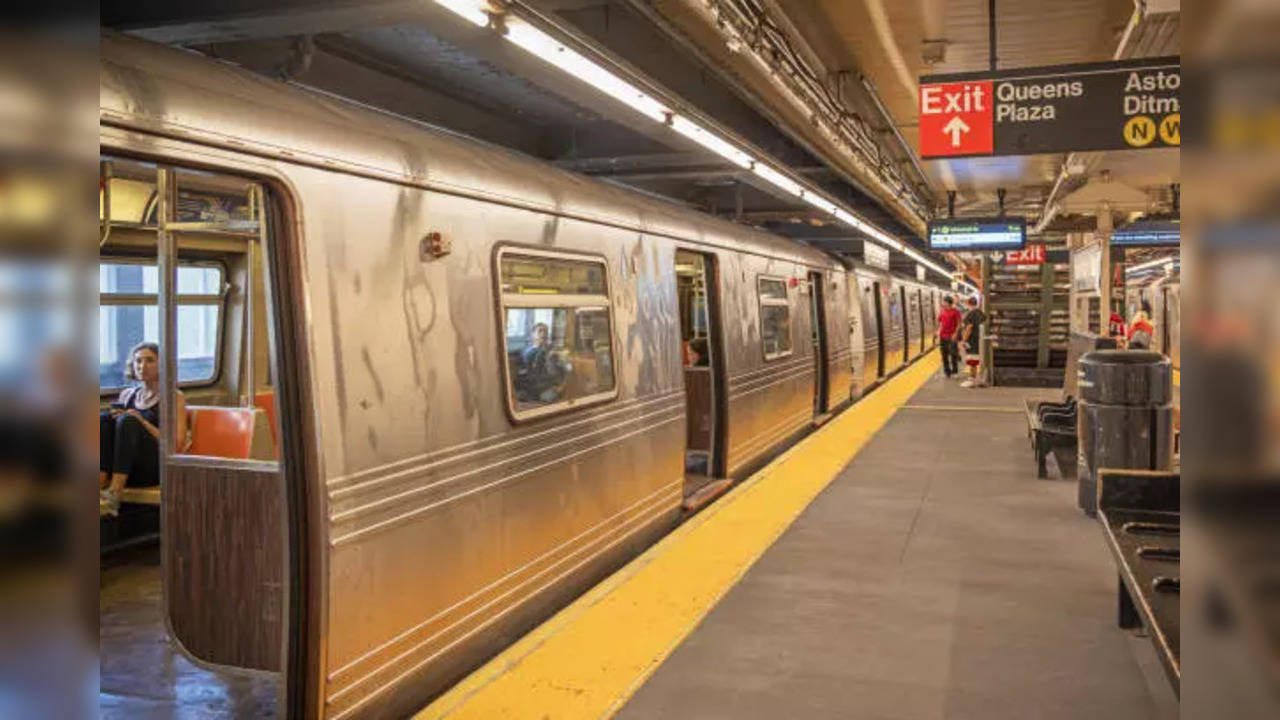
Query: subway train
(434, 389)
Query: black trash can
(1125, 416)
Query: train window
(775, 318)
(128, 314)
(557, 331)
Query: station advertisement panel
(1121, 105)
(975, 234)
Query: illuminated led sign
(973, 234)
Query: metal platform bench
(1139, 511)
(1051, 426)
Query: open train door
(906, 324)
(703, 358)
(881, 331)
(232, 530)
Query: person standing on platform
(948, 327)
(1140, 329)
(971, 341)
(1115, 327)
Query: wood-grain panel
(224, 564)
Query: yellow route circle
(1171, 129)
(1139, 131)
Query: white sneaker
(967, 384)
(108, 503)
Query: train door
(818, 331)
(1164, 321)
(906, 324)
(187, 264)
(933, 318)
(223, 498)
(920, 314)
(703, 362)
(881, 331)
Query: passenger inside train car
(557, 330)
(129, 431)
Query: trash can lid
(1122, 357)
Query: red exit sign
(1030, 255)
(956, 119)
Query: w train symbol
(1141, 130)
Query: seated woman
(129, 432)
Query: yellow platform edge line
(965, 408)
(592, 656)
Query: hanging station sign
(875, 255)
(1122, 105)
(1149, 233)
(972, 234)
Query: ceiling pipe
(897, 134)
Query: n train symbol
(1141, 130)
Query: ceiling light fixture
(545, 47)
(1151, 264)
(470, 10)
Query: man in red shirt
(948, 325)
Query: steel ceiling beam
(190, 24)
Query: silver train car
(1164, 295)
(486, 382)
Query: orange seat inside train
(221, 431)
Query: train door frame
(1165, 341)
(881, 333)
(906, 324)
(821, 343)
(717, 465)
(301, 612)
(920, 312)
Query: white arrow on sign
(955, 128)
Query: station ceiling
(894, 43)
(825, 88)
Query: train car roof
(184, 95)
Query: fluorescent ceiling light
(777, 179)
(1151, 264)
(471, 10)
(818, 201)
(710, 141)
(555, 52)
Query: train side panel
(872, 331)
(769, 399)
(448, 524)
(856, 328)
(914, 320)
(895, 324)
(839, 347)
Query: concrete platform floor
(934, 578)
